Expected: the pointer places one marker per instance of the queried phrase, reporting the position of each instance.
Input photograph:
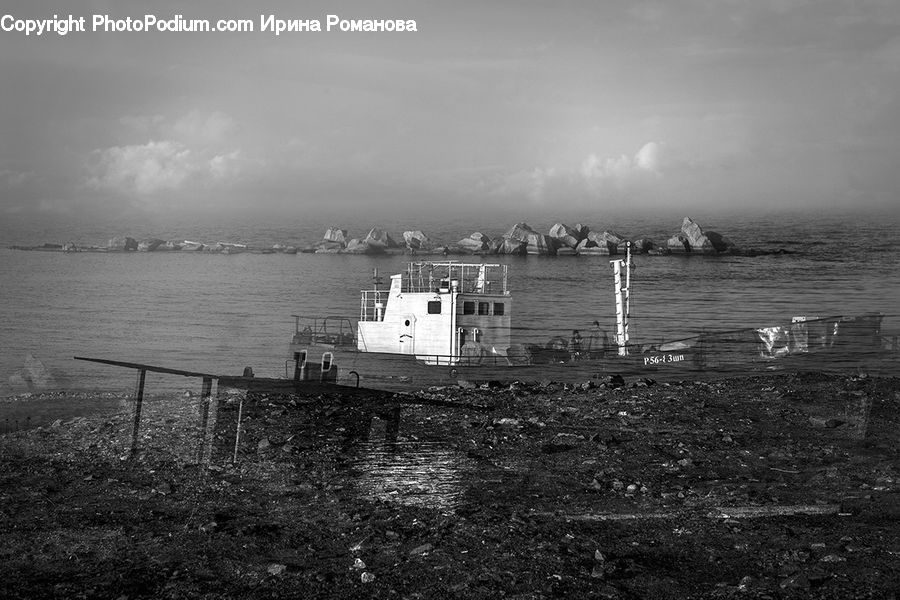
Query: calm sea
(219, 313)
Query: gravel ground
(780, 486)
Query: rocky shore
(518, 240)
(780, 486)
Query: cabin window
(434, 307)
(484, 308)
(468, 308)
(476, 334)
(498, 309)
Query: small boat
(444, 323)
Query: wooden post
(237, 433)
(138, 401)
(205, 394)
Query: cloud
(194, 151)
(143, 169)
(614, 177)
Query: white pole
(627, 289)
(620, 309)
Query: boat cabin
(444, 313)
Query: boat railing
(331, 330)
(372, 304)
(469, 278)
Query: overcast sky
(687, 103)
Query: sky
(503, 105)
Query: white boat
(441, 323)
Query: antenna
(376, 278)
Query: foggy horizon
(500, 108)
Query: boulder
(70, 247)
(609, 239)
(290, 250)
(512, 247)
(540, 244)
(122, 243)
(170, 246)
(565, 236)
(191, 246)
(581, 230)
(520, 232)
(475, 243)
(678, 244)
(326, 247)
(643, 246)
(697, 240)
(333, 234)
(378, 239)
(590, 247)
(720, 242)
(416, 240)
(355, 246)
(149, 245)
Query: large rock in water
(150, 245)
(696, 239)
(355, 246)
(326, 247)
(535, 243)
(678, 244)
(123, 244)
(590, 247)
(379, 240)
(608, 239)
(475, 243)
(519, 232)
(541, 244)
(504, 245)
(565, 236)
(333, 234)
(416, 240)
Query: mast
(623, 299)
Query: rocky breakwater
(124, 243)
(519, 240)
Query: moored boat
(443, 323)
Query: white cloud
(194, 150)
(596, 176)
